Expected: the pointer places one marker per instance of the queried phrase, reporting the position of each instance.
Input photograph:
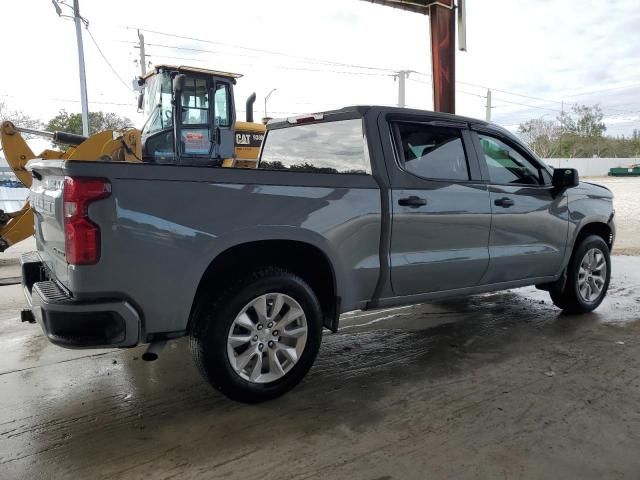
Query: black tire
(569, 298)
(214, 317)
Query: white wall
(592, 167)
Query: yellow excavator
(189, 119)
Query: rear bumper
(76, 324)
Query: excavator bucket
(18, 227)
(123, 146)
(17, 152)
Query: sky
(321, 55)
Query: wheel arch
(304, 259)
(600, 228)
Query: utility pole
(489, 107)
(83, 78)
(143, 57)
(402, 75)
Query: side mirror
(178, 83)
(565, 178)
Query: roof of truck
(362, 109)
(403, 113)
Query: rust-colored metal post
(443, 55)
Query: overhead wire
(104, 57)
(262, 50)
(380, 69)
(284, 67)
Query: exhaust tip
(149, 356)
(27, 316)
(152, 353)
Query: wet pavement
(493, 386)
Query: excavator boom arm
(123, 146)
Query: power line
(464, 92)
(419, 81)
(106, 60)
(529, 105)
(284, 67)
(72, 100)
(180, 58)
(547, 100)
(469, 93)
(68, 100)
(269, 52)
(604, 90)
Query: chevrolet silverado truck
(357, 208)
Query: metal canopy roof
(417, 6)
(185, 68)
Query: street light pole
(83, 78)
(265, 101)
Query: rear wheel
(588, 276)
(257, 340)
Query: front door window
(506, 166)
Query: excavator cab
(190, 116)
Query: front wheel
(588, 276)
(257, 340)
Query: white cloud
(551, 50)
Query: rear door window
(327, 147)
(433, 152)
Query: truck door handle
(504, 202)
(412, 201)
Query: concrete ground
(626, 191)
(493, 386)
(498, 385)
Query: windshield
(157, 103)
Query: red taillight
(82, 236)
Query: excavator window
(158, 109)
(195, 102)
(157, 131)
(221, 102)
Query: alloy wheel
(592, 275)
(267, 338)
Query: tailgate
(47, 204)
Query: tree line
(65, 121)
(579, 132)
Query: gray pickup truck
(358, 208)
